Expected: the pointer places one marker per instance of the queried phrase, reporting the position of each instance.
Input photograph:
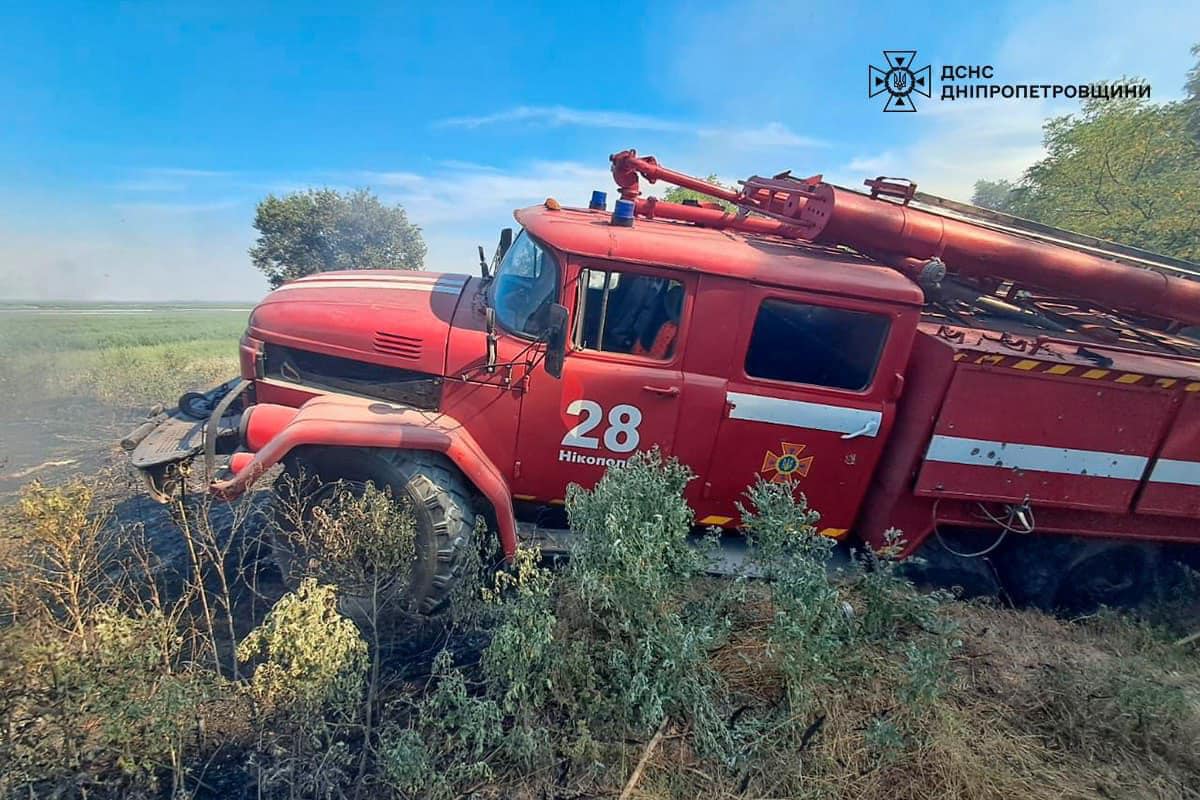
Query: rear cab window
(816, 345)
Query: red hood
(391, 317)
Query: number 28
(621, 436)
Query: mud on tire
(440, 500)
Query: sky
(137, 138)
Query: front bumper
(163, 447)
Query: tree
(1192, 101)
(322, 229)
(998, 195)
(677, 194)
(1125, 170)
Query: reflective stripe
(411, 277)
(1062, 460)
(1169, 470)
(798, 414)
(351, 284)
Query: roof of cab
(681, 245)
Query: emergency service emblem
(899, 80)
(786, 464)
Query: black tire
(441, 503)
(1109, 574)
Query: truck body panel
(1080, 444)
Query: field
(76, 377)
(151, 652)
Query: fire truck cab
(738, 357)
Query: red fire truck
(989, 386)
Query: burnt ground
(56, 440)
(52, 439)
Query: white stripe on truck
(799, 414)
(1060, 460)
(1170, 470)
(352, 284)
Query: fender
(343, 421)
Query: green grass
(118, 355)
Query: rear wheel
(1108, 574)
(1077, 576)
(436, 493)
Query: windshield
(525, 287)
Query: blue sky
(136, 138)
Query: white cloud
(461, 208)
(562, 115)
(149, 185)
(376, 178)
(769, 135)
(193, 244)
(874, 165)
(978, 139)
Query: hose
(1006, 527)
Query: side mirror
(506, 237)
(556, 340)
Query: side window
(817, 345)
(623, 312)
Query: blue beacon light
(599, 201)
(623, 213)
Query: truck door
(810, 399)
(621, 383)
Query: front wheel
(428, 484)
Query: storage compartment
(1008, 435)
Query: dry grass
(1031, 713)
(1037, 707)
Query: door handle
(665, 391)
(869, 428)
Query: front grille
(394, 344)
(416, 389)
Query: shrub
(810, 628)
(58, 573)
(108, 709)
(638, 647)
(891, 605)
(314, 659)
(518, 660)
(451, 742)
(309, 691)
(363, 542)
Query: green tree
(677, 194)
(998, 195)
(1125, 170)
(322, 229)
(1192, 101)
